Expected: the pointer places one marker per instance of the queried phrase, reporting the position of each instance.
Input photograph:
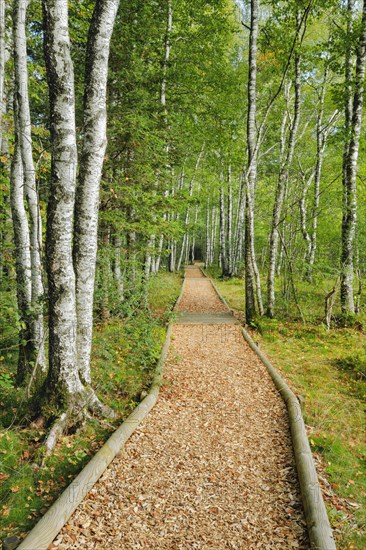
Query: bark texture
(63, 382)
(22, 259)
(250, 307)
(24, 127)
(350, 174)
(2, 72)
(91, 165)
(283, 179)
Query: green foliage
(327, 368)
(125, 354)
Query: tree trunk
(230, 224)
(223, 233)
(2, 72)
(22, 260)
(91, 165)
(208, 235)
(322, 135)
(250, 309)
(63, 386)
(350, 175)
(280, 192)
(25, 140)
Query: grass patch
(125, 353)
(328, 368)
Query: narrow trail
(211, 467)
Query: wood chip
(211, 467)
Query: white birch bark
(208, 235)
(2, 72)
(163, 88)
(250, 307)
(322, 134)
(223, 243)
(29, 174)
(22, 259)
(240, 227)
(91, 165)
(214, 225)
(350, 176)
(280, 191)
(63, 382)
(230, 224)
(166, 56)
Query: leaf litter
(211, 467)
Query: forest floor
(212, 464)
(328, 369)
(125, 352)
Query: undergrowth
(328, 369)
(125, 353)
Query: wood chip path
(211, 467)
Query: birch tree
(353, 128)
(250, 306)
(91, 164)
(23, 129)
(22, 257)
(63, 385)
(2, 72)
(67, 385)
(283, 179)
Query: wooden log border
(47, 528)
(319, 529)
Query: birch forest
(140, 136)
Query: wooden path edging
(45, 531)
(319, 529)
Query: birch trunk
(214, 224)
(2, 73)
(350, 175)
(321, 140)
(91, 165)
(223, 234)
(22, 261)
(250, 308)
(63, 385)
(208, 235)
(230, 225)
(280, 191)
(239, 231)
(29, 175)
(166, 58)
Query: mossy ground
(328, 368)
(125, 354)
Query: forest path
(212, 464)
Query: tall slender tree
(91, 164)
(353, 117)
(24, 136)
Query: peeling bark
(250, 308)
(91, 165)
(63, 384)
